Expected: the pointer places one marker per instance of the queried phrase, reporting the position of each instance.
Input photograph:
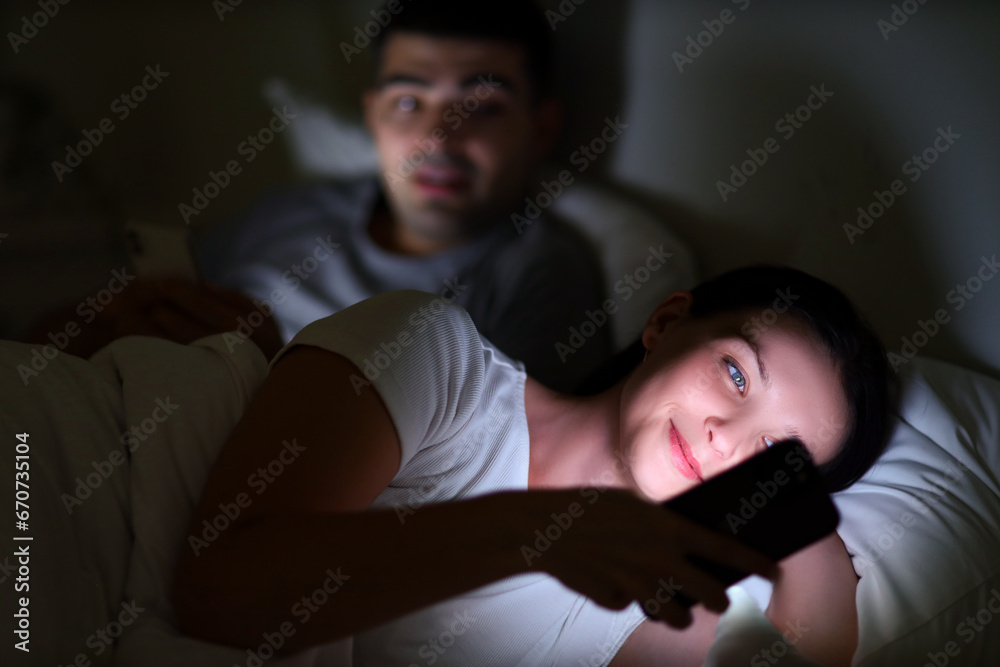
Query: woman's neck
(573, 440)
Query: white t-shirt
(458, 406)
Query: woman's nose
(729, 441)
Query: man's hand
(183, 313)
(178, 311)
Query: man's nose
(441, 130)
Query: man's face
(457, 133)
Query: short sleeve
(423, 356)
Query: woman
(454, 510)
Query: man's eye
(738, 379)
(488, 110)
(406, 103)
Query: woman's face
(709, 395)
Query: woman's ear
(670, 311)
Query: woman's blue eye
(738, 379)
(768, 442)
(406, 103)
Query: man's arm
(174, 310)
(183, 313)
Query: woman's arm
(813, 603)
(310, 520)
(308, 525)
(812, 606)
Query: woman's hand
(616, 548)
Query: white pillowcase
(922, 528)
(922, 525)
(78, 560)
(210, 384)
(111, 560)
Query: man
(461, 113)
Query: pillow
(922, 526)
(744, 636)
(922, 529)
(321, 142)
(624, 235)
(629, 242)
(78, 503)
(201, 391)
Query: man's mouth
(441, 180)
(683, 459)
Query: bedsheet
(120, 449)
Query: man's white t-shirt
(458, 407)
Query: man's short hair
(518, 22)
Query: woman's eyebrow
(761, 368)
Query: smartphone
(157, 251)
(775, 502)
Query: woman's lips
(681, 454)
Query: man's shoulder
(287, 210)
(332, 196)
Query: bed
(120, 447)
(923, 524)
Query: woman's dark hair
(853, 346)
(519, 22)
